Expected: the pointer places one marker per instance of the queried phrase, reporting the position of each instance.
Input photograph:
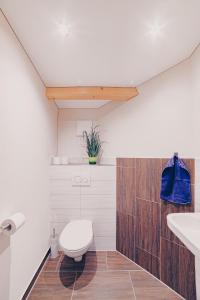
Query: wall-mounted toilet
(76, 238)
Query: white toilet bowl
(76, 238)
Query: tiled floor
(100, 276)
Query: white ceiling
(104, 42)
(81, 103)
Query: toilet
(76, 238)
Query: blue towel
(175, 185)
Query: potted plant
(93, 144)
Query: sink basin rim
(190, 242)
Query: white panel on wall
(103, 243)
(96, 202)
(64, 201)
(58, 172)
(65, 214)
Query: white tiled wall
(197, 185)
(96, 202)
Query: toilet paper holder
(5, 227)
(11, 224)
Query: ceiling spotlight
(64, 29)
(156, 29)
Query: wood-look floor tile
(51, 265)
(114, 285)
(95, 261)
(56, 280)
(156, 294)
(147, 287)
(49, 294)
(116, 261)
(92, 261)
(143, 279)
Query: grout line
(173, 242)
(74, 286)
(156, 202)
(168, 287)
(105, 271)
(144, 250)
(150, 274)
(59, 261)
(132, 285)
(106, 260)
(130, 261)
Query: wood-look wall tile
(156, 225)
(190, 163)
(120, 239)
(148, 178)
(146, 237)
(126, 235)
(148, 226)
(167, 208)
(147, 261)
(126, 162)
(170, 264)
(126, 190)
(187, 286)
(119, 189)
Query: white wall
(28, 138)
(96, 202)
(195, 79)
(157, 123)
(68, 143)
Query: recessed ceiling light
(155, 29)
(63, 28)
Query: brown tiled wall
(142, 232)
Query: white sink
(186, 226)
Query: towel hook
(176, 154)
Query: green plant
(93, 141)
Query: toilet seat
(76, 236)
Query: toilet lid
(76, 235)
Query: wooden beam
(91, 93)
